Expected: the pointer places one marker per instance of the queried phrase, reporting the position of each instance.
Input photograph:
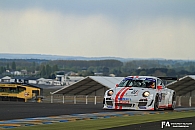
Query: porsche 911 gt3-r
(140, 93)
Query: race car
(140, 93)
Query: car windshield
(143, 83)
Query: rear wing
(168, 78)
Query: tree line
(48, 68)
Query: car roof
(142, 77)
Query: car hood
(132, 90)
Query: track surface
(19, 110)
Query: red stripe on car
(123, 93)
(117, 95)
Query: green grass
(109, 122)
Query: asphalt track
(49, 113)
(18, 110)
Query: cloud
(164, 37)
(39, 31)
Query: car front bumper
(131, 104)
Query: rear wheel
(156, 103)
(173, 102)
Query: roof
(89, 85)
(6, 77)
(184, 85)
(43, 79)
(142, 77)
(75, 77)
(24, 77)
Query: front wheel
(104, 101)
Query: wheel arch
(173, 93)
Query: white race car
(140, 93)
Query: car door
(162, 93)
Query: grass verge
(109, 122)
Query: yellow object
(20, 92)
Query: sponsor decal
(151, 79)
(134, 92)
(124, 100)
(109, 106)
(142, 107)
(26, 94)
(140, 78)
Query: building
(6, 79)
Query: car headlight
(146, 94)
(110, 92)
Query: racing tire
(156, 103)
(173, 102)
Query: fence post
(63, 98)
(179, 100)
(51, 98)
(95, 101)
(190, 101)
(75, 100)
(86, 99)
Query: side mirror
(117, 85)
(159, 87)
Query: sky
(99, 28)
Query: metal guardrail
(183, 101)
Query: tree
(48, 70)
(105, 70)
(87, 73)
(13, 66)
(52, 76)
(43, 71)
(34, 66)
(142, 73)
(55, 68)
(159, 73)
(2, 69)
(171, 72)
(7, 66)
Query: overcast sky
(99, 28)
